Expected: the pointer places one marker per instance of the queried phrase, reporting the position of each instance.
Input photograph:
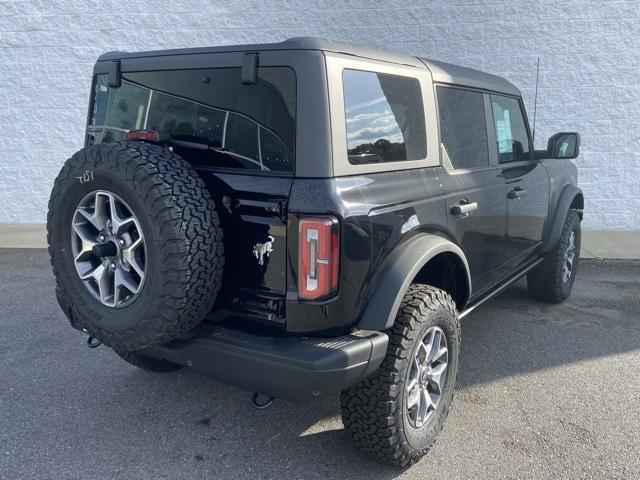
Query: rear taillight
(318, 258)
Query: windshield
(210, 115)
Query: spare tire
(135, 244)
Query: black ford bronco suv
(306, 218)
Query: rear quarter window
(217, 120)
(384, 117)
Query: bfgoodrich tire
(552, 280)
(381, 414)
(157, 267)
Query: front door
(526, 181)
(527, 192)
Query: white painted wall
(589, 78)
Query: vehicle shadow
(89, 414)
(514, 334)
(510, 336)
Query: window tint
(241, 126)
(274, 151)
(384, 117)
(463, 127)
(242, 137)
(185, 120)
(123, 108)
(511, 133)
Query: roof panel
(442, 72)
(454, 74)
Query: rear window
(212, 118)
(384, 117)
(463, 127)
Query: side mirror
(563, 145)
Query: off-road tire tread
(190, 240)
(545, 281)
(372, 410)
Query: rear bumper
(290, 368)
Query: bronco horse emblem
(260, 250)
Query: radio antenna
(535, 101)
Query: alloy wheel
(108, 248)
(427, 376)
(569, 258)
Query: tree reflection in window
(384, 117)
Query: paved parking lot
(544, 392)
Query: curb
(614, 244)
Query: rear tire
(552, 280)
(377, 412)
(148, 363)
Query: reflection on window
(511, 133)
(384, 117)
(242, 126)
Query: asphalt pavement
(545, 391)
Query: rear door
(526, 180)
(473, 186)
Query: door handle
(465, 207)
(517, 192)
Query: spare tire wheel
(135, 244)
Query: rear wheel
(396, 414)
(552, 280)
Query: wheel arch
(570, 198)
(578, 203)
(429, 259)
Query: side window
(463, 127)
(511, 132)
(384, 118)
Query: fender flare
(402, 267)
(569, 193)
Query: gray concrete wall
(589, 53)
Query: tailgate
(252, 212)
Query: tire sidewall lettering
(161, 189)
